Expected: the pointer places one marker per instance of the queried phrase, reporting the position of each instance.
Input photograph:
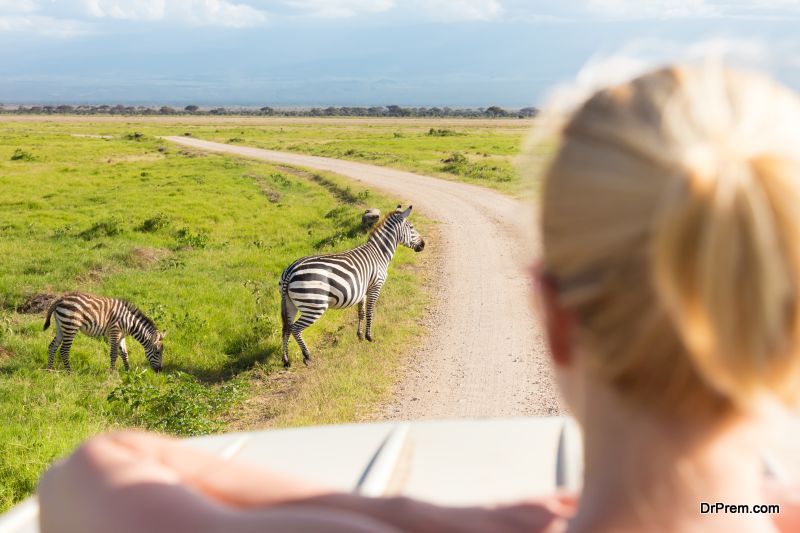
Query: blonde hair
(671, 224)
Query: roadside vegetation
(483, 152)
(197, 242)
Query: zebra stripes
(98, 316)
(315, 283)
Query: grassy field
(483, 152)
(198, 242)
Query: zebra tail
(285, 318)
(49, 314)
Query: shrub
(106, 228)
(135, 136)
(180, 406)
(186, 237)
(155, 223)
(435, 132)
(455, 162)
(21, 155)
(459, 165)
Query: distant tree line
(375, 111)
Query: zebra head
(407, 234)
(154, 350)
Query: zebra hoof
(360, 336)
(369, 338)
(307, 361)
(286, 364)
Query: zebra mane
(381, 223)
(140, 315)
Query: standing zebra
(97, 316)
(313, 284)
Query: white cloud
(18, 6)
(48, 26)
(436, 10)
(461, 10)
(672, 9)
(340, 8)
(193, 12)
(653, 8)
(126, 9)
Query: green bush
(110, 227)
(180, 405)
(186, 237)
(21, 155)
(155, 223)
(458, 164)
(435, 132)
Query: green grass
(486, 153)
(198, 242)
(487, 150)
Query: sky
(300, 53)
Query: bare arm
(135, 481)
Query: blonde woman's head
(671, 227)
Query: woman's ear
(558, 321)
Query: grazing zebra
(313, 284)
(98, 316)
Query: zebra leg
(372, 297)
(51, 351)
(360, 319)
(66, 344)
(113, 341)
(123, 351)
(306, 319)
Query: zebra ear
(407, 212)
(398, 209)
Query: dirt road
(484, 354)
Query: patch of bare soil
(37, 303)
(260, 410)
(143, 257)
(95, 274)
(267, 190)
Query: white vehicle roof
(456, 462)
